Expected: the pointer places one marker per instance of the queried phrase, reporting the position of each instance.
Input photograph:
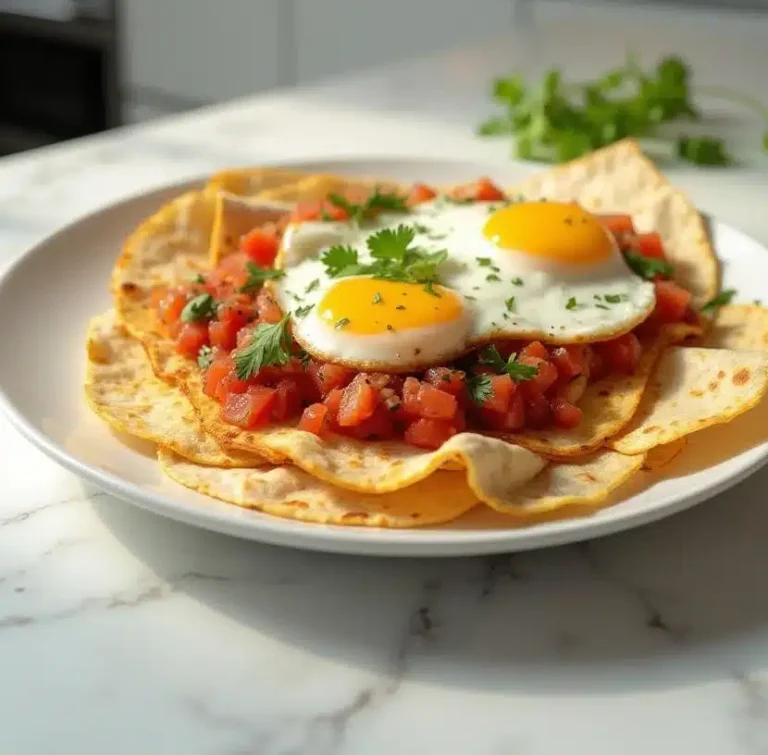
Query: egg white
(508, 294)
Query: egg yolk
(366, 306)
(560, 231)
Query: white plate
(47, 297)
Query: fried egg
(527, 270)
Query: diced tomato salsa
(214, 315)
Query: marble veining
(125, 633)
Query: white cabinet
(335, 36)
(199, 51)
(181, 53)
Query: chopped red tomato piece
(230, 383)
(329, 376)
(314, 419)
(446, 379)
(482, 190)
(649, 245)
(420, 193)
(331, 211)
(267, 308)
(288, 399)
(215, 373)
(307, 211)
(534, 349)
(617, 224)
(434, 403)
(380, 381)
(621, 354)
(502, 390)
(333, 401)
(171, 305)
(228, 277)
(191, 338)
(537, 410)
(569, 361)
(546, 373)
(565, 414)
(250, 409)
(429, 433)
(596, 367)
(515, 418)
(260, 246)
(357, 403)
(379, 426)
(230, 318)
(411, 388)
(672, 301)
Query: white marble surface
(124, 633)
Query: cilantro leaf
(510, 304)
(723, 298)
(304, 311)
(269, 345)
(257, 275)
(378, 201)
(479, 388)
(338, 259)
(703, 150)
(204, 357)
(516, 370)
(390, 244)
(572, 303)
(199, 308)
(648, 267)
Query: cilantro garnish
(304, 311)
(572, 303)
(204, 357)
(197, 278)
(484, 261)
(377, 298)
(601, 306)
(492, 278)
(312, 286)
(648, 267)
(378, 201)
(269, 345)
(510, 304)
(342, 323)
(723, 298)
(257, 275)
(199, 308)
(615, 298)
(517, 281)
(560, 120)
(394, 258)
(518, 372)
(479, 388)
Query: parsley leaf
(204, 357)
(199, 308)
(340, 260)
(648, 267)
(269, 345)
(723, 298)
(390, 243)
(479, 388)
(304, 311)
(555, 120)
(257, 275)
(518, 372)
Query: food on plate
(530, 348)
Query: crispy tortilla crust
(693, 389)
(620, 178)
(122, 390)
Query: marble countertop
(125, 633)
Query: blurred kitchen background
(74, 67)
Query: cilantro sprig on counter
(394, 258)
(558, 120)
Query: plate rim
(416, 542)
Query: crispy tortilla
(619, 178)
(741, 327)
(692, 389)
(122, 390)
